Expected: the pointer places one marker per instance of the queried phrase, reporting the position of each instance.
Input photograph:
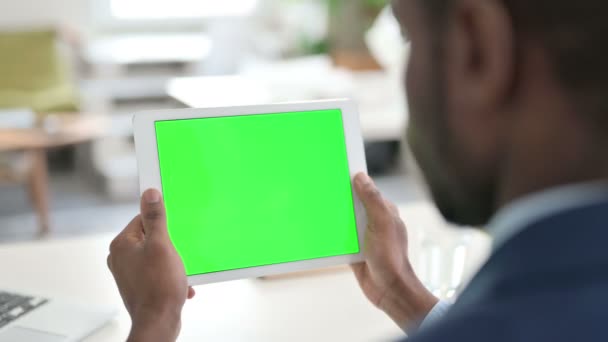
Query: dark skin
(142, 255)
(489, 120)
(489, 123)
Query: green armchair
(33, 74)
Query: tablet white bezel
(149, 172)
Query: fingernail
(364, 179)
(151, 196)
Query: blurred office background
(73, 72)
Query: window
(178, 9)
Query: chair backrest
(33, 74)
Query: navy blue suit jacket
(548, 283)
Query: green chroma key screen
(257, 190)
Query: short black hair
(574, 34)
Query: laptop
(28, 318)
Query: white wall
(27, 13)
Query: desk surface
(320, 307)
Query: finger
(109, 261)
(191, 292)
(377, 211)
(132, 233)
(153, 214)
(369, 193)
(358, 268)
(361, 272)
(134, 228)
(392, 207)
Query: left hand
(150, 274)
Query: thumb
(378, 213)
(153, 213)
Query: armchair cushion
(34, 74)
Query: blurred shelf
(381, 102)
(157, 48)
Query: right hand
(387, 277)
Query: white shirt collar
(519, 214)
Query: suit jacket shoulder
(549, 283)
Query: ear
(480, 58)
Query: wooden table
(321, 307)
(61, 130)
(52, 131)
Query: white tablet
(256, 190)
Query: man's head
(492, 85)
